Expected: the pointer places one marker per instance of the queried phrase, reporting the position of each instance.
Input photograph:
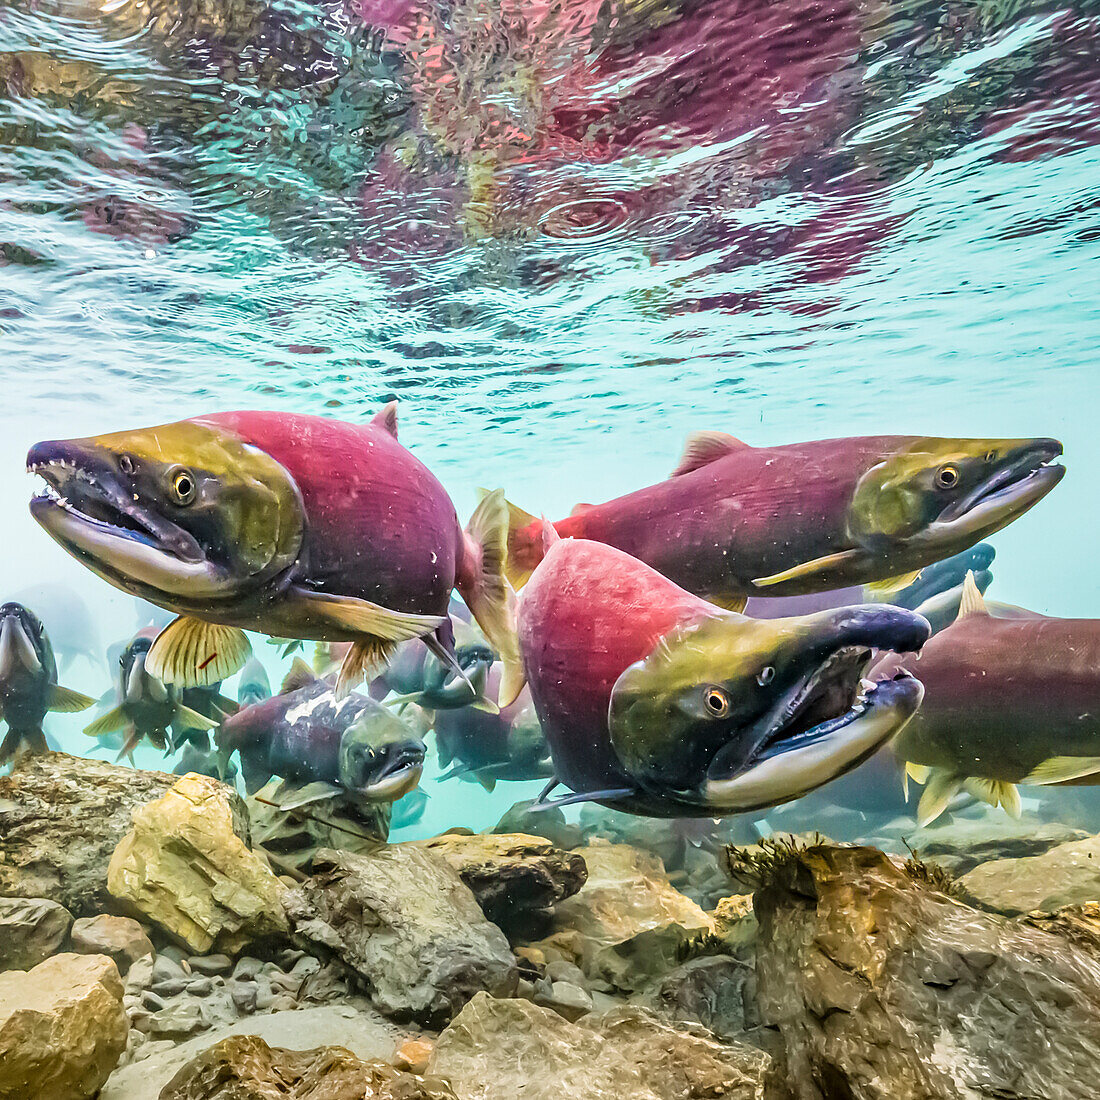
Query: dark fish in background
(28, 683)
(661, 704)
(322, 747)
(253, 685)
(735, 521)
(70, 624)
(1007, 701)
(209, 703)
(936, 593)
(293, 526)
(486, 747)
(409, 809)
(144, 707)
(194, 759)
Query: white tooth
(866, 685)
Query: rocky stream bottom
(148, 950)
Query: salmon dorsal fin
(386, 418)
(549, 535)
(299, 676)
(973, 602)
(580, 509)
(703, 448)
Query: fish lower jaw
(393, 786)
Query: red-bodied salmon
(291, 525)
(656, 702)
(1011, 697)
(735, 521)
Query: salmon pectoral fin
(66, 701)
(190, 652)
(365, 660)
(290, 796)
(1061, 769)
(811, 568)
(488, 594)
(728, 603)
(189, 719)
(350, 615)
(879, 590)
(114, 719)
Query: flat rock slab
(885, 988)
(62, 1028)
(31, 930)
(187, 867)
(405, 922)
(244, 1067)
(511, 872)
(61, 818)
(504, 1049)
(1068, 874)
(358, 1029)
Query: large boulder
(408, 925)
(62, 1028)
(31, 930)
(61, 818)
(1068, 874)
(186, 866)
(244, 1067)
(883, 987)
(511, 872)
(627, 923)
(503, 1049)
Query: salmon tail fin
(18, 743)
(487, 592)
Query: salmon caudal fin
(524, 545)
(487, 592)
(19, 743)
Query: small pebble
(305, 966)
(265, 996)
(170, 987)
(172, 952)
(283, 1002)
(152, 1002)
(200, 987)
(165, 968)
(243, 996)
(561, 971)
(290, 957)
(140, 974)
(247, 969)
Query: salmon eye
(947, 477)
(126, 464)
(183, 485)
(717, 702)
(765, 675)
(990, 456)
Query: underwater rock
(501, 1049)
(885, 988)
(566, 999)
(244, 1067)
(61, 818)
(31, 930)
(408, 925)
(717, 991)
(963, 843)
(119, 938)
(187, 867)
(551, 824)
(735, 925)
(510, 872)
(62, 1028)
(295, 836)
(627, 923)
(353, 1025)
(1068, 874)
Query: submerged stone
(120, 938)
(31, 930)
(61, 818)
(62, 1028)
(885, 988)
(405, 922)
(187, 867)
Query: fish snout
(876, 626)
(17, 650)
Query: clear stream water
(564, 235)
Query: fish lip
(1031, 470)
(397, 777)
(17, 651)
(78, 480)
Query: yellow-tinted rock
(62, 1028)
(185, 866)
(627, 922)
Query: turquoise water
(563, 238)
